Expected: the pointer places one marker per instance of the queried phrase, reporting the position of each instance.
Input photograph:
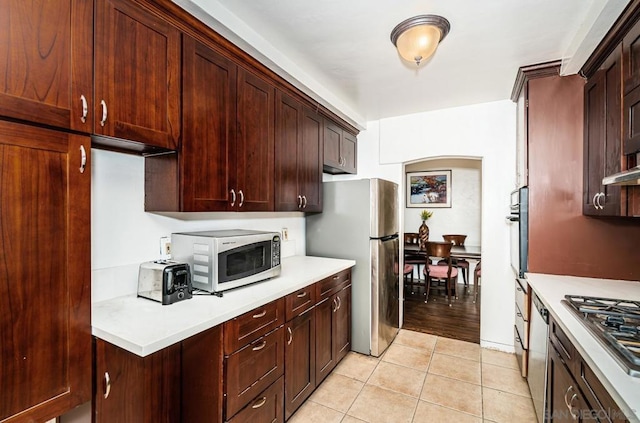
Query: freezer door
(384, 208)
(385, 283)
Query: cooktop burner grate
(614, 323)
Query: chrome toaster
(164, 281)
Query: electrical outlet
(285, 234)
(165, 248)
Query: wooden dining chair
(461, 264)
(477, 274)
(440, 252)
(410, 258)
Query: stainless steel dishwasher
(538, 338)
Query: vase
(423, 234)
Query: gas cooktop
(616, 325)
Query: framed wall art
(429, 189)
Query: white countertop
(551, 289)
(143, 327)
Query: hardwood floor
(460, 321)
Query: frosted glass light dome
(417, 38)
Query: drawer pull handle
(259, 315)
(339, 303)
(83, 159)
(290, 336)
(241, 194)
(335, 305)
(299, 201)
(576, 415)
(107, 385)
(335, 278)
(259, 347)
(259, 403)
(518, 314)
(233, 197)
(302, 294)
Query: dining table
(473, 252)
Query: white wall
(123, 235)
(465, 214)
(486, 132)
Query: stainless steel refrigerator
(360, 222)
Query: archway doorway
(462, 214)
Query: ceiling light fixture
(417, 38)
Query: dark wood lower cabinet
(268, 407)
(333, 331)
(565, 402)
(300, 357)
(135, 389)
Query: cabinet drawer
(522, 298)
(329, 286)
(252, 369)
(522, 354)
(564, 346)
(523, 327)
(299, 301)
(248, 327)
(267, 407)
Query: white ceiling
(340, 52)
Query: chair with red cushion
(461, 264)
(440, 252)
(412, 258)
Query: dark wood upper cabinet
(46, 62)
(45, 258)
(340, 149)
(298, 156)
(602, 138)
(631, 111)
(137, 76)
(209, 125)
(255, 143)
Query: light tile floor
(422, 378)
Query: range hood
(626, 177)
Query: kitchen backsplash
(123, 235)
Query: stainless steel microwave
(227, 259)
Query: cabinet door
(288, 196)
(325, 353)
(299, 356)
(45, 256)
(46, 66)
(209, 121)
(130, 388)
(310, 161)
(602, 150)
(348, 150)
(255, 143)
(137, 75)
(332, 141)
(565, 402)
(342, 324)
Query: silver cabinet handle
(577, 414)
(104, 112)
(233, 197)
(339, 303)
(304, 201)
(259, 402)
(595, 201)
(335, 305)
(83, 159)
(85, 109)
(299, 201)
(241, 198)
(259, 347)
(566, 401)
(290, 336)
(259, 315)
(107, 385)
(600, 197)
(302, 294)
